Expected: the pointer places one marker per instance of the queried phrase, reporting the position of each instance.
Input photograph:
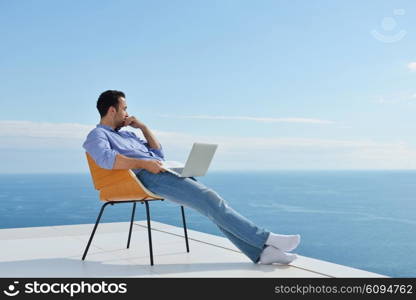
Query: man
(115, 149)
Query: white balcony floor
(55, 251)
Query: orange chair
(123, 186)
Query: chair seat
(129, 189)
(118, 185)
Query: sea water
(362, 219)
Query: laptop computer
(197, 163)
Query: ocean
(362, 219)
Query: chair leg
(95, 228)
(184, 228)
(131, 224)
(149, 232)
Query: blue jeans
(243, 233)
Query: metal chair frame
(149, 229)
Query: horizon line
(229, 170)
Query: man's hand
(153, 166)
(150, 138)
(134, 122)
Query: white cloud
(294, 153)
(412, 66)
(256, 119)
(397, 98)
(233, 152)
(43, 129)
(42, 135)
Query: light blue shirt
(103, 143)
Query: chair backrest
(118, 185)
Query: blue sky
(278, 84)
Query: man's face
(121, 114)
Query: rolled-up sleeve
(98, 146)
(158, 152)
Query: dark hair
(107, 99)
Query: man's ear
(111, 109)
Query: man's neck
(108, 123)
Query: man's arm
(123, 162)
(98, 146)
(150, 138)
(148, 134)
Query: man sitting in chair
(114, 149)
